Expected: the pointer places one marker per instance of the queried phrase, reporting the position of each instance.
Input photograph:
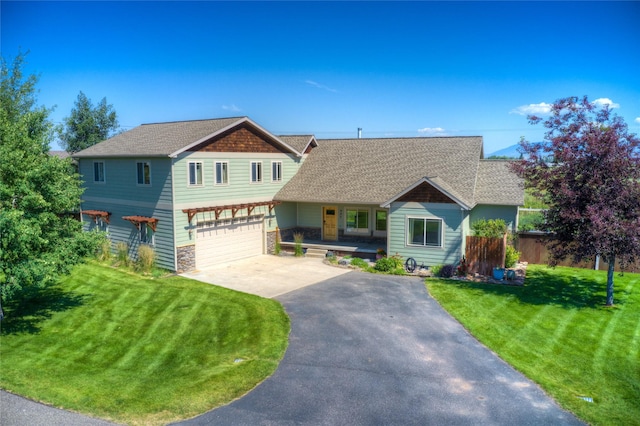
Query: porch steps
(315, 252)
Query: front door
(330, 223)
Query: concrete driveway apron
(370, 349)
(267, 276)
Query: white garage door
(226, 240)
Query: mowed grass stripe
(557, 331)
(142, 351)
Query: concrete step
(313, 252)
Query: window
(146, 234)
(381, 220)
(222, 173)
(424, 232)
(98, 171)
(256, 172)
(144, 173)
(357, 221)
(276, 171)
(195, 174)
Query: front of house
(209, 191)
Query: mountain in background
(510, 152)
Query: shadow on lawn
(24, 315)
(545, 287)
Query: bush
(448, 271)
(122, 254)
(104, 251)
(146, 258)
(494, 228)
(511, 257)
(360, 263)
(391, 265)
(298, 238)
(436, 270)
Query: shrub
(146, 258)
(436, 270)
(494, 228)
(122, 254)
(360, 263)
(389, 264)
(511, 257)
(463, 268)
(448, 271)
(104, 251)
(298, 238)
(277, 248)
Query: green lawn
(556, 331)
(138, 350)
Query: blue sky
(327, 68)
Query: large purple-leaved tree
(588, 172)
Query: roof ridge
(196, 120)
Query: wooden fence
(484, 253)
(532, 249)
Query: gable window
(144, 173)
(424, 231)
(195, 173)
(276, 171)
(357, 221)
(222, 173)
(256, 172)
(98, 171)
(381, 220)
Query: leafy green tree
(39, 240)
(588, 172)
(493, 228)
(87, 125)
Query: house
(208, 191)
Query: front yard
(135, 350)
(556, 331)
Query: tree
(87, 125)
(39, 240)
(588, 172)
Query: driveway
(369, 349)
(266, 275)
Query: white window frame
(357, 231)
(276, 171)
(104, 174)
(144, 163)
(424, 235)
(224, 167)
(146, 234)
(195, 184)
(259, 174)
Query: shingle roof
(166, 139)
(298, 142)
(372, 171)
(497, 184)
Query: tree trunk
(610, 271)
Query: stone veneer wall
(186, 258)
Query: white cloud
(231, 107)
(433, 131)
(320, 86)
(637, 120)
(542, 108)
(606, 101)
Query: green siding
(508, 213)
(120, 230)
(239, 189)
(453, 221)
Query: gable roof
(299, 142)
(171, 139)
(372, 171)
(497, 184)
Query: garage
(228, 239)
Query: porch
(365, 250)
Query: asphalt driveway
(370, 349)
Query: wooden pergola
(152, 222)
(235, 208)
(97, 214)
